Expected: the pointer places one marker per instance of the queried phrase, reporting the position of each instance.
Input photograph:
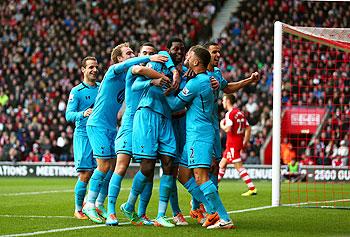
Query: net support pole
(276, 126)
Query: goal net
(311, 117)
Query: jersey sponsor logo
(71, 97)
(185, 91)
(121, 96)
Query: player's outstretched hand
(214, 84)
(190, 74)
(87, 112)
(158, 58)
(160, 82)
(255, 77)
(168, 91)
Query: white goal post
(338, 38)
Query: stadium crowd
(42, 43)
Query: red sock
(245, 177)
(221, 173)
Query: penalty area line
(102, 225)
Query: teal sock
(95, 186)
(144, 198)
(195, 191)
(113, 192)
(80, 191)
(174, 199)
(138, 184)
(212, 195)
(104, 188)
(195, 203)
(214, 179)
(166, 183)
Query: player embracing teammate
(155, 136)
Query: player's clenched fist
(163, 81)
(255, 76)
(87, 112)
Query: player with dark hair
(153, 114)
(228, 88)
(238, 134)
(123, 142)
(101, 125)
(176, 49)
(79, 107)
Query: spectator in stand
(338, 162)
(331, 150)
(306, 160)
(343, 152)
(293, 171)
(32, 157)
(48, 157)
(3, 97)
(252, 159)
(287, 152)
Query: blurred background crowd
(43, 41)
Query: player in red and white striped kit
(238, 133)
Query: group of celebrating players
(169, 109)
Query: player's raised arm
(142, 82)
(158, 58)
(149, 73)
(148, 77)
(235, 86)
(184, 97)
(215, 84)
(123, 66)
(171, 66)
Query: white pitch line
(45, 192)
(250, 209)
(54, 231)
(37, 193)
(23, 216)
(71, 217)
(313, 202)
(124, 223)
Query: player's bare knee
(200, 180)
(85, 176)
(147, 167)
(121, 170)
(112, 164)
(167, 164)
(238, 165)
(103, 165)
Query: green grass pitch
(44, 206)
